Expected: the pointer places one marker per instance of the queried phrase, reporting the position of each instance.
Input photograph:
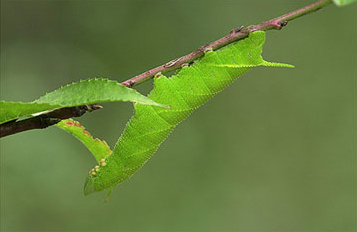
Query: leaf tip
(342, 2)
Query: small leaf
(99, 149)
(94, 91)
(343, 2)
(81, 93)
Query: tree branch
(49, 119)
(234, 35)
(45, 120)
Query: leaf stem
(234, 35)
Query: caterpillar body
(183, 92)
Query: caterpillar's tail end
(89, 186)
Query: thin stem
(234, 35)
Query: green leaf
(94, 91)
(184, 92)
(343, 2)
(98, 148)
(81, 93)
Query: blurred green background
(276, 151)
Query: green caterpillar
(183, 92)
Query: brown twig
(54, 117)
(234, 35)
(44, 120)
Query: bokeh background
(276, 151)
